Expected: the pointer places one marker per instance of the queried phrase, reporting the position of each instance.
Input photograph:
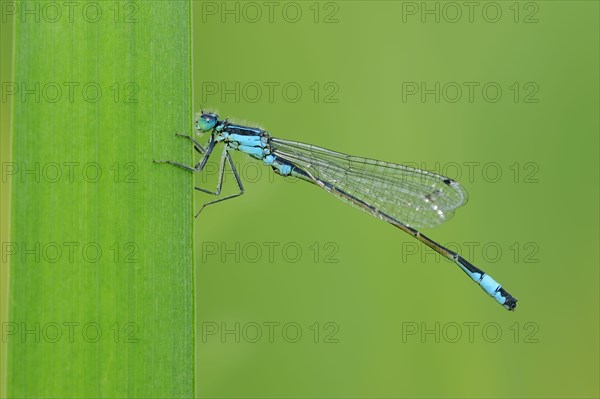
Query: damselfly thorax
(256, 143)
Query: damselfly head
(207, 121)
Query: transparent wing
(414, 197)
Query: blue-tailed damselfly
(403, 196)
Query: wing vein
(413, 196)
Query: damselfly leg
(199, 167)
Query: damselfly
(403, 196)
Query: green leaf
(101, 273)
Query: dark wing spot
(432, 197)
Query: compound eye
(206, 122)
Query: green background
(359, 274)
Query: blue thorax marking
(249, 141)
(254, 142)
